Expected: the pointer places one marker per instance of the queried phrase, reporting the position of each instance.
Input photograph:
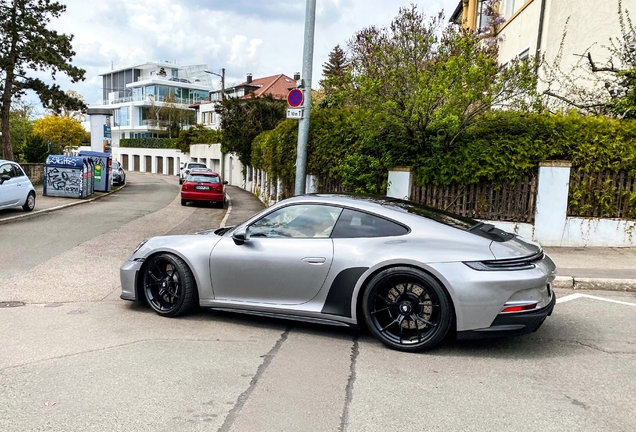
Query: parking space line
(578, 296)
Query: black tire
(29, 204)
(169, 286)
(183, 202)
(407, 309)
(180, 181)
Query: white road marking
(578, 296)
(229, 210)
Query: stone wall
(35, 172)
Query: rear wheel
(29, 205)
(183, 202)
(169, 285)
(407, 309)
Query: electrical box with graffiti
(67, 176)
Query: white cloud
(243, 36)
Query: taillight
(519, 307)
(187, 171)
(184, 187)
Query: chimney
(249, 78)
(297, 76)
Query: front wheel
(29, 205)
(169, 285)
(407, 309)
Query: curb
(600, 284)
(52, 209)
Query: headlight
(140, 245)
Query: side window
(18, 171)
(354, 224)
(298, 221)
(6, 169)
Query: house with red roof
(278, 86)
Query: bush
(160, 143)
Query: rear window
(203, 179)
(441, 216)
(355, 224)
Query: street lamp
(222, 76)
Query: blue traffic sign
(295, 98)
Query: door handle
(315, 260)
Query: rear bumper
(203, 196)
(512, 324)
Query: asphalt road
(76, 358)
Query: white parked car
(185, 169)
(15, 187)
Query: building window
(524, 55)
(509, 8)
(483, 20)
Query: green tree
(21, 122)
(28, 46)
(242, 120)
(197, 134)
(36, 150)
(423, 81)
(334, 71)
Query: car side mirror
(225, 182)
(240, 235)
(4, 178)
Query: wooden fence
(605, 194)
(332, 186)
(487, 201)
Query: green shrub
(157, 143)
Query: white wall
(229, 164)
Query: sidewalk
(44, 204)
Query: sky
(262, 37)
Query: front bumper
(512, 324)
(128, 274)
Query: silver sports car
(410, 273)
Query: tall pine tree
(335, 68)
(27, 45)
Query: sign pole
(303, 125)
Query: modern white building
(134, 94)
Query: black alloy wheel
(169, 285)
(407, 309)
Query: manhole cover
(11, 304)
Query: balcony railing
(183, 102)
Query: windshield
(197, 165)
(116, 165)
(198, 178)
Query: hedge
(158, 143)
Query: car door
(285, 259)
(9, 189)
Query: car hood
(516, 247)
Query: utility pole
(303, 125)
(222, 76)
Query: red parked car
(203, 186)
